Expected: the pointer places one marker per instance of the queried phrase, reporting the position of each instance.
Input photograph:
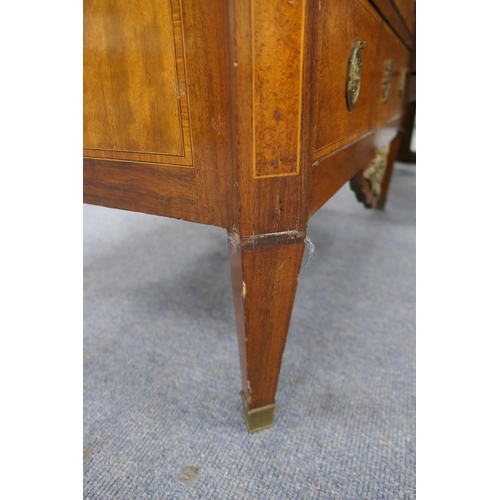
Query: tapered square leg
(386, 181)
(265, 272)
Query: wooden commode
(248, 115)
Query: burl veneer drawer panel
(341, 23)
(136, 102)
(390, 75)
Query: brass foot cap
(258, 419)
(380, 204)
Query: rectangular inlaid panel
(331, 173)
(341, 23)
(135, 95)
(407, 10)
(277, 52)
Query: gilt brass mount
(386, 84)
(375, 172)
(354, 70)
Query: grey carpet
(162, 412)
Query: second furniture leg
(265, 272)
(395, 144)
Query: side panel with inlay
(157, 115)
(341, 23)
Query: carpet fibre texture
(162, 411)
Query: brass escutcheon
(386, 84)
(354, 70)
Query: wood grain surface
(392, 17)
(389, 48)
(135, 94)
(406, 9)
(277, 28)
(131, 55)
(341, 23)
(234, 113)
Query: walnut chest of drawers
(249, 115)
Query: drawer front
(390, 76)
(157, 114)
(342, 22)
